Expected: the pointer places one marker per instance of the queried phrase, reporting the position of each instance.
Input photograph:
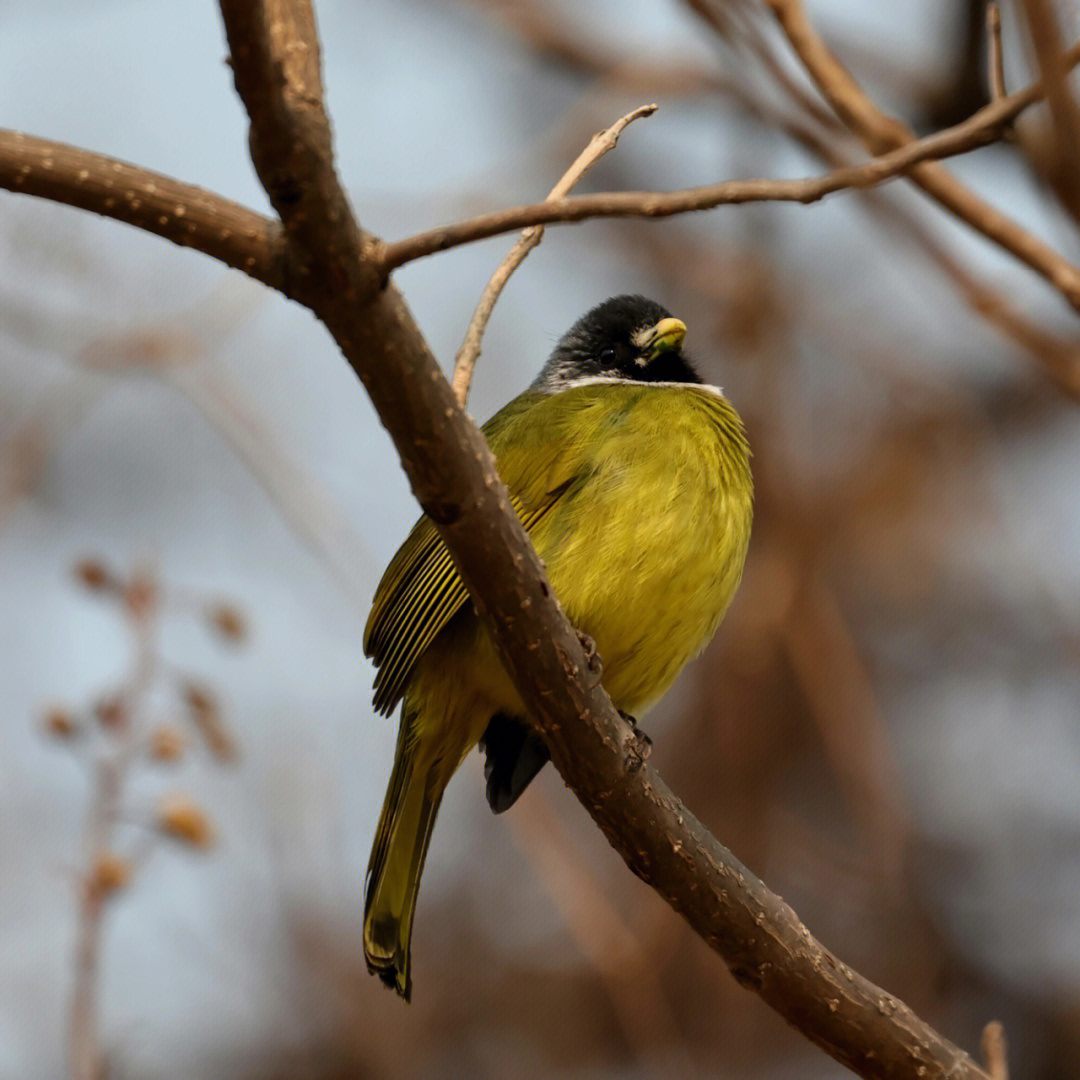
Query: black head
(626, 337)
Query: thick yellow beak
(666, 334)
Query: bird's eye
(609, 356)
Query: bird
(632, 478)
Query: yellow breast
(646, 548)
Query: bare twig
(731, 23)
(87, 1058)
(882, 133)
(555, 37)
(599, 145)
(995, 61)
(995, 1050)
(978, 130)
(84, 1035)
(1059, 357)
(120, 741)
(1061, 162)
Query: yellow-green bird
(633, 481)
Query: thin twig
(978, 130)
(995, 1050)
(87, 1057)
(732, 24)
(84, 1036)
(469, 353)
(882, 133)
(1060, 357)
(995, 61)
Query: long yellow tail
(397, 860)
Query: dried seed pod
(207, 720)
(140, 595)
(111, 712)
(167, 743)
(94, 575)
(228, 622)
(110, 873)
(60, 723)
(180, 817)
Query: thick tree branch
(1061, 162)
(995, 57)
(454, 477)
(183, 213)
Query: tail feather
(397, 861)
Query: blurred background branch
(122, 732)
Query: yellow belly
(645, 555)
(649, 570)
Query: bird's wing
(421, 590)
(419, 594)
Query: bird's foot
(592, 658)
(639, 746)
